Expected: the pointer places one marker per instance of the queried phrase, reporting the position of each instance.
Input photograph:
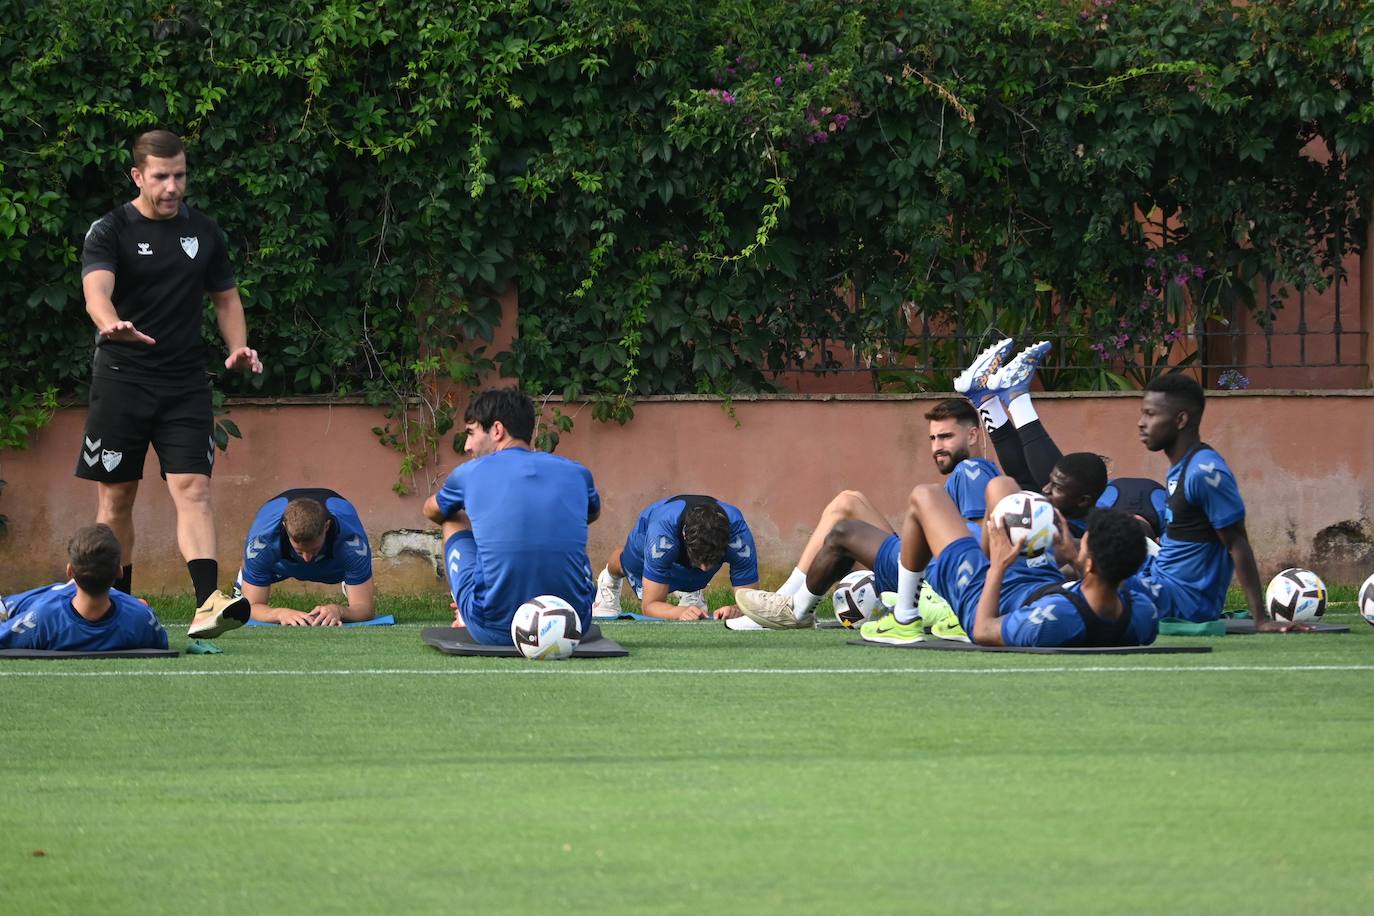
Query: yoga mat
(947, 645)
(457, 641)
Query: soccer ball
(1030, 517)
(1296, 594)
(856, 598)
(1364, 602)
(546, 628)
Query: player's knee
(847, 503)
(189, 490)
(841, 536)
(117, 499)
(923, 494)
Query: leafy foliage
(688, 197)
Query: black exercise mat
(457, 641)
(949, 645)
(1245, 626)
(53, 653)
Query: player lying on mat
(311, 535)
(1002, 600)
(86, 614)
(514, 521)
(678, 545)
(1001, 391)
(852, 529)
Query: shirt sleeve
(1051, 621)
(100, 250)
(660, 549)
(359, 553)
(742, 555)
(154, 634)
(450, 495)
(593, 497)
(1212, 486)
(220, 276)
(259, 553)
(22, 631)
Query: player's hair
(305, 520)
(162, 144)
(1116, 543)
(1087, 470)
(954, 409)
(1183, 392)
(511, 406)
(705, 532)
(94, 554)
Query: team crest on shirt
(110, 459)
(146, 249)
(190, 244)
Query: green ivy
(688, 197)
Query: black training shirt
(163, 269)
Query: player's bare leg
(216, 612)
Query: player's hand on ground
(125, 332)
(289, 618)
(1281, 626)
(1002, 550)
(729, 612)
(691, 612)
(243, 358)
(327, 615)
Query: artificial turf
(361, 771)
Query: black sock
(1007, 441)
(204, 578)
(1041, 452)
(125, 582)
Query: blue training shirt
(1196, 574)
(1053, 620)
(653, 550)
(345, 557)
(966, 485)
(529, 513)
(44, 618)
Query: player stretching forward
(514, 521)
(313, 535)
(1204, 537)
(86, 614)
(679, 544)
(851, 529)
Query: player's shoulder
(1209, 466)
(977, 468)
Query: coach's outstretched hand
(125, 332)
(242, 358)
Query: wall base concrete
(1305, 464)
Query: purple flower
(1150, 261)
(777, 81)
(1173, 336)
(1122, 340)
(727, 98)
(841, 120)
(730, 70)
(1198, 273)
(820, 136)
(1181, 279)
(810, 66)
(1183, 259)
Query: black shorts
(126, 416)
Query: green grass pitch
(361, 771)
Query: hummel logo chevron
(661, 548)
(737, 545)
(255, 547)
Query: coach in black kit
(146, 268)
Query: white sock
(802, 602)
(993, 414)
(1022, 411)
(609, 579)
(908, 589)
(795, 581)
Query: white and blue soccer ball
(856, 598)
(1364, 601)
(1296, 594)
(1029, 517)
(546, 628)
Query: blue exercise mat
(626, 615)
(385, 620)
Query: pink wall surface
(1305, 464)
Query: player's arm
(233, 327)
(654, 603)
(432, 510)
(98, 288)
(1237, 543)
(1002, 551)
(361, 601)
(260, 597)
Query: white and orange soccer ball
(1296, 594)
(546, 628)
(1364, 601)
(856, 598)
(1029, 517)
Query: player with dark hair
(514, 521)
(999, 601)
(312, 535)
(678, 545)
(85, 614)
(852, 530)
(146, 268)
(999, 386)
(1205, 540)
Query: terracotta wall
(1305, 463)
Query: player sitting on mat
(86, 614)
(851, 529)
(1002, 600)
(678, 545)
(1001, 392)
(1204, 536)
(312, 535)
(514, 521)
